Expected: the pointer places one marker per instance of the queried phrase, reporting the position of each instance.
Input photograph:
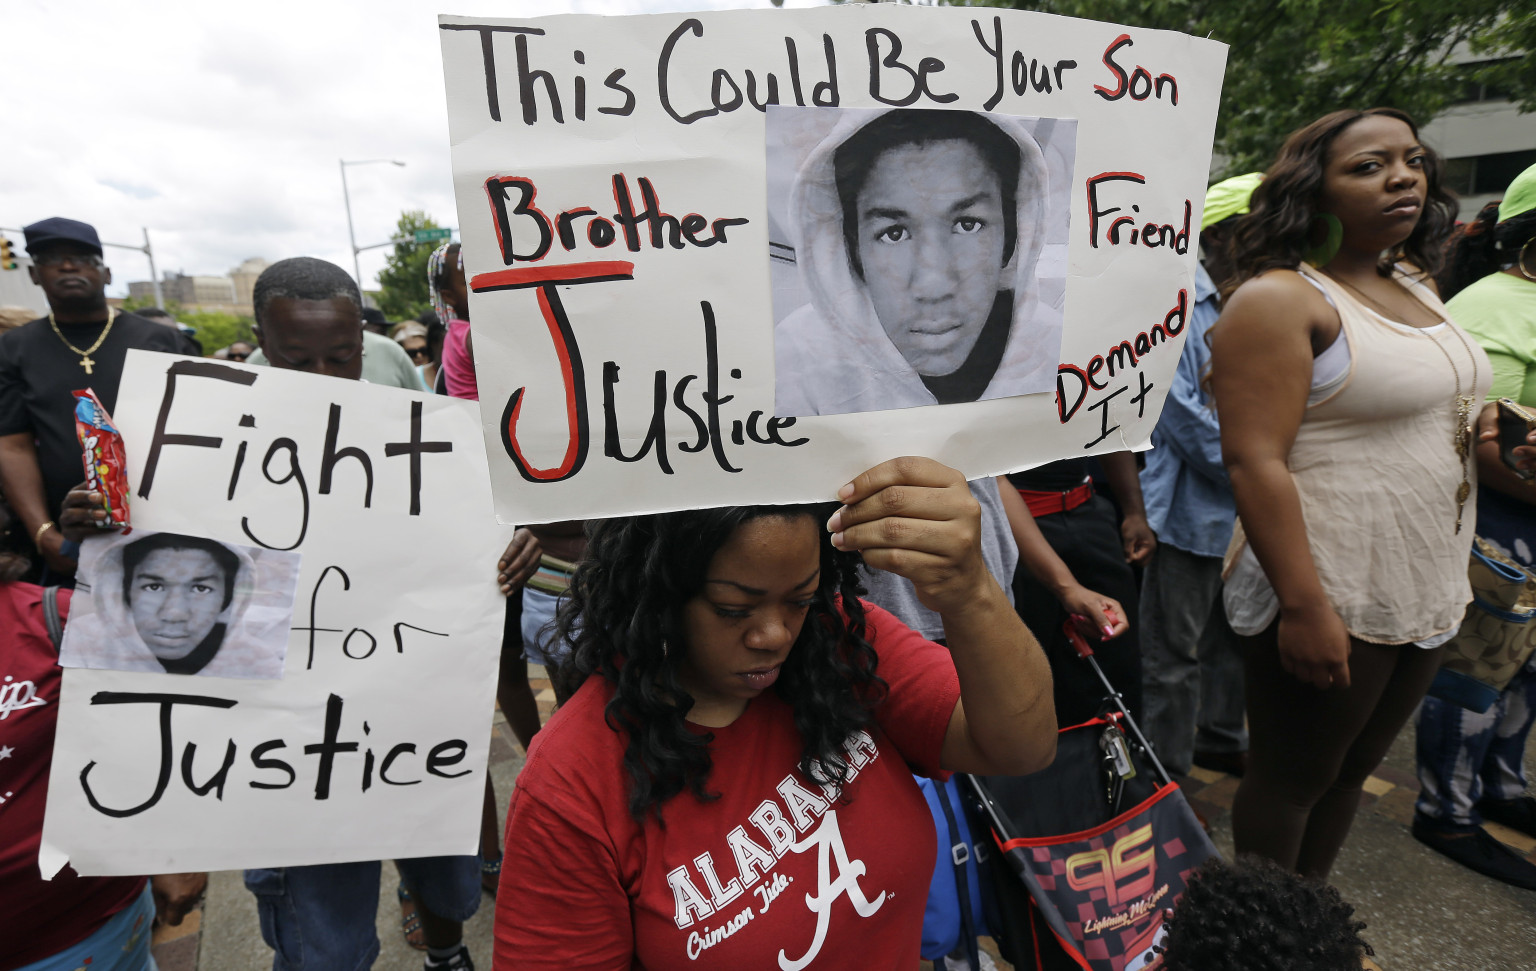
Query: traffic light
(7, 255)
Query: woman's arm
(1037, 556)
(1261, 372)
(917, 519)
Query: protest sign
(373, 741)
(740, 257)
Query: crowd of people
(1270, 590)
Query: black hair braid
(825, 680)
(623, 622)
(1255, 915)
(1471, 253)
(1484, 246)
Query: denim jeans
(1191, 668)
(538, 635)
(1464, 757)
(321, 918)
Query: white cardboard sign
(373, 742)
(740, 257)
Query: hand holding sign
(916, 518)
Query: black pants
(1088, 540)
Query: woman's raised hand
(916, 518)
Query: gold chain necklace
(85, 355)
(1461, 440)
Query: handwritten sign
(373, 742)
(683, 237)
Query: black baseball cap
(56, 229)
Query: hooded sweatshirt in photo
(253, 627)
(833, 357)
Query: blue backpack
(952, 919)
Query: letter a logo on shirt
(828, 841)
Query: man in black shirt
(80, 344)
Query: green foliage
(212, 330)
(1293, 61)
(403, 291)
(1514, 44)
(139, 303)
(215, 330)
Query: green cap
(1229, 197)
(1520, 197)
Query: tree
(213, 330)
(403, 291)
(1292, 61)
(139, 303)
(216, 330)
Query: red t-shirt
(64, 911)
(774, 874)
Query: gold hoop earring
(1520, 260)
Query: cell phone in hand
(1515, 423)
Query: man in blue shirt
(1191, 670)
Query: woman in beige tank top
(1353, 494)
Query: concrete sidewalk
(1424, 913)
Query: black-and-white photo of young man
(917, 236)
(166, 602)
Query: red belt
(1045, 503)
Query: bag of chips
(106, 464)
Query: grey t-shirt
(998, 551)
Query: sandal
(410, 921)
(490, 875)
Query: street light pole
(149, 251)
(357, 268)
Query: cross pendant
(87, 363)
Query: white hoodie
(101, 632)
(832, 356)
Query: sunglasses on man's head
(237, 355)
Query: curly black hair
(623, 620)
(1484, 246)
(1274, 234)
(1258, 916)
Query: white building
(1486, 143)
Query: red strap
(1046, 503)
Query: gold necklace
(1461, 440)
(85, 355)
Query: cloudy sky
(219, 126)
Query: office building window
(1486, 174)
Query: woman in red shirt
(730, 784)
